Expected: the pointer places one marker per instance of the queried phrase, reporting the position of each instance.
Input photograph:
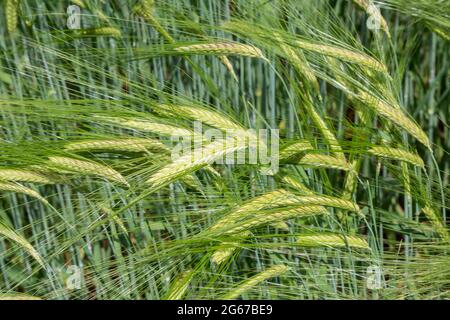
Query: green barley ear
(197, 160)
(97, 32)
(11, 9)
(294, 149)
(146, 126)
(24, 176)
(395, 115)
(230, 247)
(267, 200)
(88, 168)
(437, 223)
(343, 54)
(79, 3)
(332, 240)
(271, 217)
(13, 236)
(145, 9)
(15, 187)
(397, 154)
(180, 285)
(296, 184)
(274, 271)
(221, 49)
(131, 145)
(17, 296)
(325, 161)
(209, 117)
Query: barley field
(132, 164)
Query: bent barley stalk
(24, 176)
(13, 236)
(88, 168)
(397, 154)
(274, 271)
(15, 187)
(332, 240)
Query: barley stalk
(397, 154)
(332, 240)
(23, 176)
(273, 271)
(88, 168)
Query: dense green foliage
(88, 187)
